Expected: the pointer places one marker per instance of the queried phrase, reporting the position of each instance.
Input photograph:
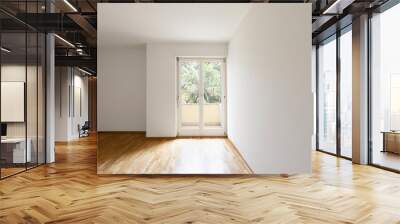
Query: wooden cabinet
(391, 142)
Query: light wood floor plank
(70, 191)
(133, 153)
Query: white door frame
(201, 130)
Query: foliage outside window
(190, 82)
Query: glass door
(327, 100)
(189, 94)
(201, 99)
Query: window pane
(212, 93)
(189, 87)
(189, 76)
(41, 98)
(31, 100)
(212, 82)
(14, 150)
(346, 93)
(327, 97)
(385, 89)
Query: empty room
(196, 89)
(199, 111)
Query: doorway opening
(201, 96)
(75, 103)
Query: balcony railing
(211, 114)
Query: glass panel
(346, 93)
(41, 98)
(31, 88)
(22, 90)
(314, 90)
(31, 100)
(189, 87)
(13, 86)
(395, 102)
(212, 80)
(386, 89)
(327, 96)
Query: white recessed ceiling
(126, 24)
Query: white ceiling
(122, 24)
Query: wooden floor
(70, 191)
(5, 172)
(132, 153)
(387, 159)
(9, 171)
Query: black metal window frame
(387, 5)
(334, 37)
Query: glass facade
(22, 87)
(385, 89)
(346, 93)
(327, 96)
(334, 94)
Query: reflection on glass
(14, 150)
(395, 102)
(386, 89)
(346, 94)
(212, 93)
(31, 100)
(327, 96)
(189, 87)
(22, 91)
(41, 98)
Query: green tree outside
(190, 82)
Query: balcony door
(201, 97)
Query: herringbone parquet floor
(69, 191)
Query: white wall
(121, 83)
(33, 126)
(136, 79)
(66, 121)
(161, 84)
(62, 126)
(19, 73)
(81, 81)
(79, 117)
(270, 103)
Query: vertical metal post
(26, 86)
(37, 90)
(0, 97)
(338, 91)
(317, 96)
(369, 96)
